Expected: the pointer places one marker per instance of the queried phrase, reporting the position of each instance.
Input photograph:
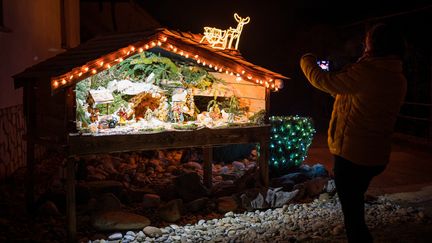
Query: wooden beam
(30, 119)
(70, 200)
(208, 160)
(89, 144)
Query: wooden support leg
(30, 180)
(70, 200)
(208, 158)
(263, 162)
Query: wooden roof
(86, 54)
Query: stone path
(318, 221)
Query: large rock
(151, 201)
(118, 220)
(104, 186)
(192, 165)
(108, 202)
(226, 204)
(49, 209)
(152, 231)
(171, 211)
(197, 204)
(189, 187)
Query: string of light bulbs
(161, 41)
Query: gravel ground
(318, 221)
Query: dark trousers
(352, 181)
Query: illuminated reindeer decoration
(223, 39)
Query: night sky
(281, 31)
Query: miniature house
(148, 90)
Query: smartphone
(324, 64)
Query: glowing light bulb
(196, 56)
(71, 77)
(86, 69)
(249, 77)
(93, 71)
(187, 55)
(120, 59)
(238, 79)
(55, 84)
(153, 43)
(132, 48)
(210, 66)
(226, 71)
(63, 81)
(79, 74)
(243, 72)
(101, 63)
(108, 66)
(198, 61)
(159, 43)
(146, 46)
(164, 38)
(140, 49)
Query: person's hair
(382, 40)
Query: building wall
(35, 36)
(12, 147)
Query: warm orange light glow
(110, 59)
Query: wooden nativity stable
(144, 91)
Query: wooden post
(30, 119)
(70, 200)
(263, 161)
(208, 158)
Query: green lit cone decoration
(290, 139)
